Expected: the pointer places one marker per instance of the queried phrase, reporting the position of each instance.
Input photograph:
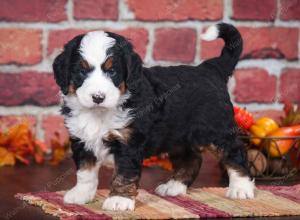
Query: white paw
(115, 203)
(79, 195)
(241, 189)
(171, 188)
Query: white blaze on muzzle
(97, 89)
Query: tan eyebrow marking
(84, 64)
(108, 63)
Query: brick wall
(164, 32)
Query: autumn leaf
(41, 145)
(58, 156)
(161, 161)
(19, 138)
(59, 149)
(6, 157)
(22, 159)
(3, 138)
(39, 158)
(18, 143)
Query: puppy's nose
(98, 98)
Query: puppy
(114, 108)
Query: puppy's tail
(232, 50)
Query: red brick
(138, 36)
(12, 120)
(254, 10)
(260, 43)
(175, 44)
(289, 10)
(21, 46)
(58, 38)
(254, 85)
(28, 88)
(153, 10)
(54, 124)
(274, 114)
(290, 85)
(96, 9)
(33, 10)
(211, 49)
(270, 42)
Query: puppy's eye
(85, 67)
(108, 64)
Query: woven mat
(198, 203)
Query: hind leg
(235, 161)
(186, 168)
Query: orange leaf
(38, 158)
(19, 136)
(41, 146)
(22, 159)
(55, 143)
(3, 139)
(6, 157)
(58, 156)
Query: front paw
(241, 190)
(115, 203)
(79, 195)
(171, 188)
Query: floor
(53, 178)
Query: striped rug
(198, 203)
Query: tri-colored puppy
(115, 108)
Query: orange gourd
(280, 147)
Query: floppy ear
(133, 64)
(134, 68)
(61, 73)
(61, 64)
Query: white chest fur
(90, 125)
